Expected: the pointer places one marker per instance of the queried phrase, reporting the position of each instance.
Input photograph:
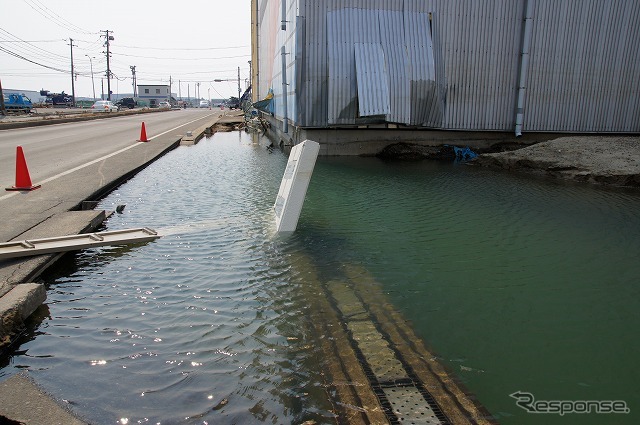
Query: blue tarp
(266, 104)
(463, 154)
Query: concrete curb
(199, 133)
(25, 402)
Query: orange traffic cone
(143, 134)
(23, 180)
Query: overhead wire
(54, 17)
(182, 59)
(30, 41)
(34, 62)
(28, 46)
(183, 48)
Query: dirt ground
(604, 160)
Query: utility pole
(238, 85)
(179, 90)
(169, 99)
(133, 76)
(92, 83)
(102, 83)
(3, 109)
(198, 92)
(108, 38)
(73, 87)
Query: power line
(34, 62)
(23, 56)
(184, 48)
(30, 41)
(54, 17)
(191, 73)
(182, 59)
(25, 45)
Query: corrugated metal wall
(582, 74)
(480, 46)
(426, 106)
(585, 67)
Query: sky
(189, 41)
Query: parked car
(164, 105)
(126, 102)
(204, 104)
(104, 106)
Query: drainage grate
(409, 406)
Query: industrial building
(416, 70)
(153, 94)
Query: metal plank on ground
(29, 247)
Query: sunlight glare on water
(517, 284)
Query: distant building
(154, 94)
(509, 66)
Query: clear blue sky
(190, 40)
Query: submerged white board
(294, 184)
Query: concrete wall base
(370, 140)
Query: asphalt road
(80, 161)
(54, 149)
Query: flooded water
(517, 284)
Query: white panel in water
(293, 187)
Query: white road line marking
(57, 176)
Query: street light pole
(92, 83)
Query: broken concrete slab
(17, 305)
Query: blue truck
(17, 103)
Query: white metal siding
(480, 42)
(582, 74)
(372, 80)
(425, 104)
(585, 67)
(404, 40)
(398, 65)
